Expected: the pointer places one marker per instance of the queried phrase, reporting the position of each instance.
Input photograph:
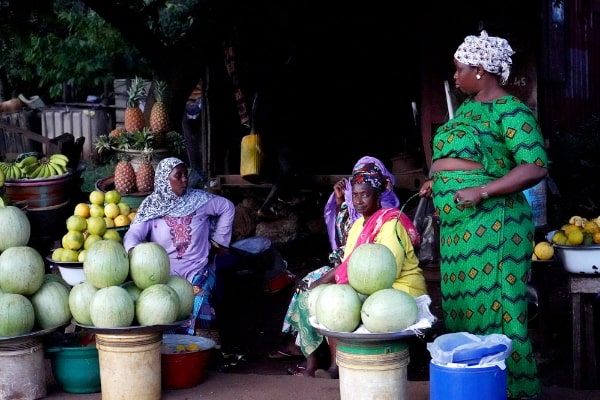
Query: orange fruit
(122, 220)
(111, 210)
(131, 215)
(72, 240)
(97, 197)
(76, 223)
(82, 209)
(112, 197)
(96, 226)
(596, 237)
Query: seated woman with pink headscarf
(340, 213)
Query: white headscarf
(163, 201)
(491, 52)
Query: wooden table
(583, 290)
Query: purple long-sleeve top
(187, 239)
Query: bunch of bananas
(46, 167)
(11, 170)
(32, 167)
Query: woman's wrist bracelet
(484, 193)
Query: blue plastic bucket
(466, 383)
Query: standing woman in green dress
(482, 161)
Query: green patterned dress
(486, 250)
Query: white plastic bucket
(373, 370)
(22, 370)
(130, 366)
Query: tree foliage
(66, 44)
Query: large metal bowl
(584, 259)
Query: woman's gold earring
(478, 76)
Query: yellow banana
(59, 165)
(35, 172)
(16, 172)
(56, 169)
(46, 171)
(8, 172)
(27, 161)
(60, 157)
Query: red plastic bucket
(181, 369)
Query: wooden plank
(584, 283)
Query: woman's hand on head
(339, 189)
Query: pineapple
(134, 116)
(159, 114)
(124, 176)
(144, 176)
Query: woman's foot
(300, 370)
(290, 351)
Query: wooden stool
(583, 290)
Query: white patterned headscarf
(163, 201)
(491, 52)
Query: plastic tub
(76, 369)
(183, 368)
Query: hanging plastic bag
(427, 223)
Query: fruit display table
(583, 289)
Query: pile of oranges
(92, 222)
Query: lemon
(81, 256)
(111, 234)
(69, 255)
(111, 210)
(97, 197)
(82, 209)
(76, 223)
(96, 210)
(543, 251)
(124, 207)
(91, 238)
(591, 227)
(575, 237)
(96, 225)
(72, 240)
(112, 197)
(570, 228)
(109, 222)
(559, 237)
(122, 220)
(57, 254)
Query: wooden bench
(583, 290)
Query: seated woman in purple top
(185, 221)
